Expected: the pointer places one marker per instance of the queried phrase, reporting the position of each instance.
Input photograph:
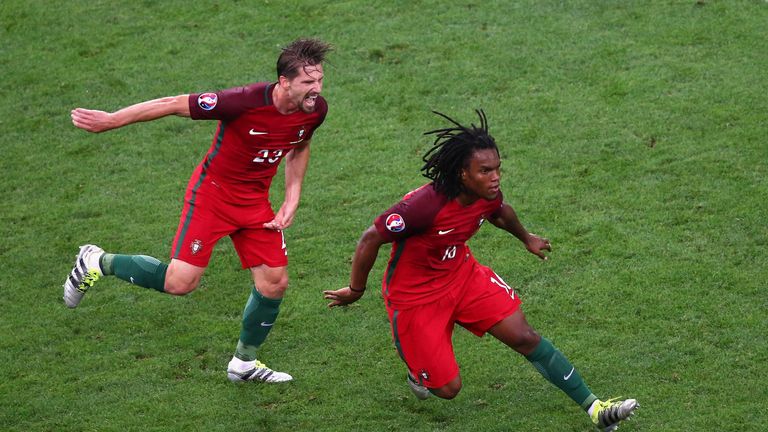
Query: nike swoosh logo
(263, 324)
(441, 232)
(565, 377)
(132, 279)
(253, 132)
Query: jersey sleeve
(412, 215)
(227, 104)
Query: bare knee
(524, 339)
(180, 288)
(516, 333)
(273, 289)
(182, 278)
(271, 282)
(448, 391)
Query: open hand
(92, 120)
(342, 297)
(536, 245)
(282, 220)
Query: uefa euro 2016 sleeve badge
(207, 101)
(395, 223)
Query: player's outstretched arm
(365, 256)
(508, 221)
(100, 121)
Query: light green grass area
(633, 135)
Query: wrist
(357, 290)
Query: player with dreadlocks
(433, 281)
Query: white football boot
(419, 390)
(84, 274)
(242, 371)
(607, 415)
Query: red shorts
(206, 218)
(422, 334)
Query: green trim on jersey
(397, 338)
(393, 264)
(203, 174)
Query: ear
(283, 81)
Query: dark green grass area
(633, 135)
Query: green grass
(633, 135)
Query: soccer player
(433, 281)
(259, 125)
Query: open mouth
(309, 101)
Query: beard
(308, 108)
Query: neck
(466, 199)
(281, 101)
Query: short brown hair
(301, 52)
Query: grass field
(633, 135)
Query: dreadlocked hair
(451, 151)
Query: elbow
(371, 238)
(370, 234)
(179, 105)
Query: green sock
(258, 318)
(140, 270)
(553, 365)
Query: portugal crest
(423, 374)
(300, 135)
(196, 246)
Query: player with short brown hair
(259, 125)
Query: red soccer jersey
(429, 255)
(251, 139)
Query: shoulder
(426, 198)
(413, 214)
(252, 95)
(322, 103)
(229, 103)
(321, 110)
